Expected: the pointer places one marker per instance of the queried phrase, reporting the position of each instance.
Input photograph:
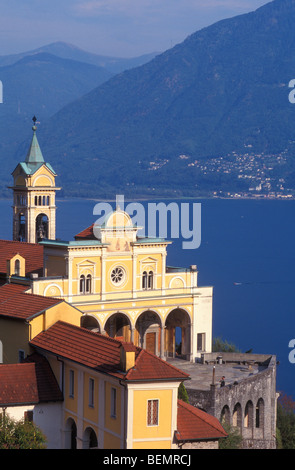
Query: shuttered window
(153, 413)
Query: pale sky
(120, 28)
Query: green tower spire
(34, 154)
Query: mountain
(65, 50)
(158, 129)
(223, 90)
(45, 83)
(40, 84)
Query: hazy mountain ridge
(41, 83)
(222, 91)
(68, 51)
(45, 83)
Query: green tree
(220, 345)
(285, 422)
(233, 439)
(182, 393)
(20, 434)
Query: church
(87, 327)
(120, 281)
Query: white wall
(47, 416)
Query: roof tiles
(195, 424)
(102, 353)
(150, 367)
(16, 303)
(32, 252)
(29, 382)
(87, 234)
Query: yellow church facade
(124, 288)
(120, 281)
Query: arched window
(144, 280)
(225, 415)
(248, 415)
(70, 434)
(151, 280)
(42, 223)
(17, 267)
(90, 439)
(147, 280)
(259, 416)
(82, 284)
(88, 284)
(237, 416)
(22, 228)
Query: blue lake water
(248, 242)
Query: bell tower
(34, 193)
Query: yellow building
(135, 312)
(115, 395)
(120, 281)
(118, 396)
(23, 316)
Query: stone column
(132, 328)
(134, 275)
(162, 351)
(103, 274)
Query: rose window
(117, 275)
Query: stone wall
(200, 445)
(249, 405)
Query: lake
(247, 253)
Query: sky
(118, 28)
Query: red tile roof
(16, 303)
(86, 234)
(102, 353)
(150, 367)
(32, 252)
(10, 289)
(194, 424)
(29, 382)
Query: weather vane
(34, 119)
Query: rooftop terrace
(234, 367)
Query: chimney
(127, 356)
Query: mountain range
(221, 92)
(41, 82)
(69, 51)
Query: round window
(118, 276)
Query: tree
(182, 393)
(285, 422)
(20, 434)
(220, 345)
(233, 439)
